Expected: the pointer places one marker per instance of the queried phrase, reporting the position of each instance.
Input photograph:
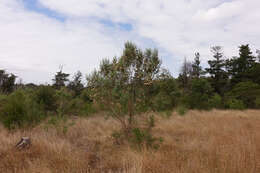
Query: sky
(37, 36)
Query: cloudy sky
(39, 35)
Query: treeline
(135, 83)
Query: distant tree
(239, 67)
(248, 92)
(196, 67)
(76, 84)
(60, 79)
(216, 70)
(200, 93)
(258, 55)
(7, 82)
(166, 92)
(185, 75)
(254, 73)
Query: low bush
(216, 101)
(235, 104)
(45, 95)
(20, 111)
(181, 110)
(200, 93)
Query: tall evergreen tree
(60, 79)
(7, 82)
(76, 84)
(239, 67)
(216, 70)
(196, 67)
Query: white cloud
(34, 45)
(178, 28)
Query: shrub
(215, 101)
(199, 96)
(257, 102)
(144, 138)
(20, 111)
(85, 96)
(64, 97)
(247, 92)
(236, 104)
(45, 95)
(166, 94)
(181, 110)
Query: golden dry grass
(199, 142)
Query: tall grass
(200, 141)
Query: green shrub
(257, 102)
(236, 104)
(20, 111)
(200, 93)
(181, 110)
(85, 96)
(45, 95)
(215, 101)
(144, 138)
(64, 97)
(247, 92)
(166, 94)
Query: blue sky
(39, 35)
(35, 6)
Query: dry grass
(199, 142)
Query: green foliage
(181, 110)
(240, 68)
(60, 79)
(85, 96)
(123, 86)
(45, 95)
(216, 101)
(200, 94)
(20, 111)
(197, 70)
(7, 82)
(166, 94)
(247, 92)
(257, 102)
(144, 138)
(235, 104)
(76, 84)
(217, 71)
(64, 97)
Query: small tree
(76, 84)
(122, 86)
(239, 67)
(60, 79)
(200, 94)
(7, 82)
(196, 67)
(247, 92)
(216, 70)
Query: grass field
(199, 142)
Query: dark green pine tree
(240, 67)
(7, 82)
(60, 79)
(196, 67)
(216, 70)
(76, 84)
